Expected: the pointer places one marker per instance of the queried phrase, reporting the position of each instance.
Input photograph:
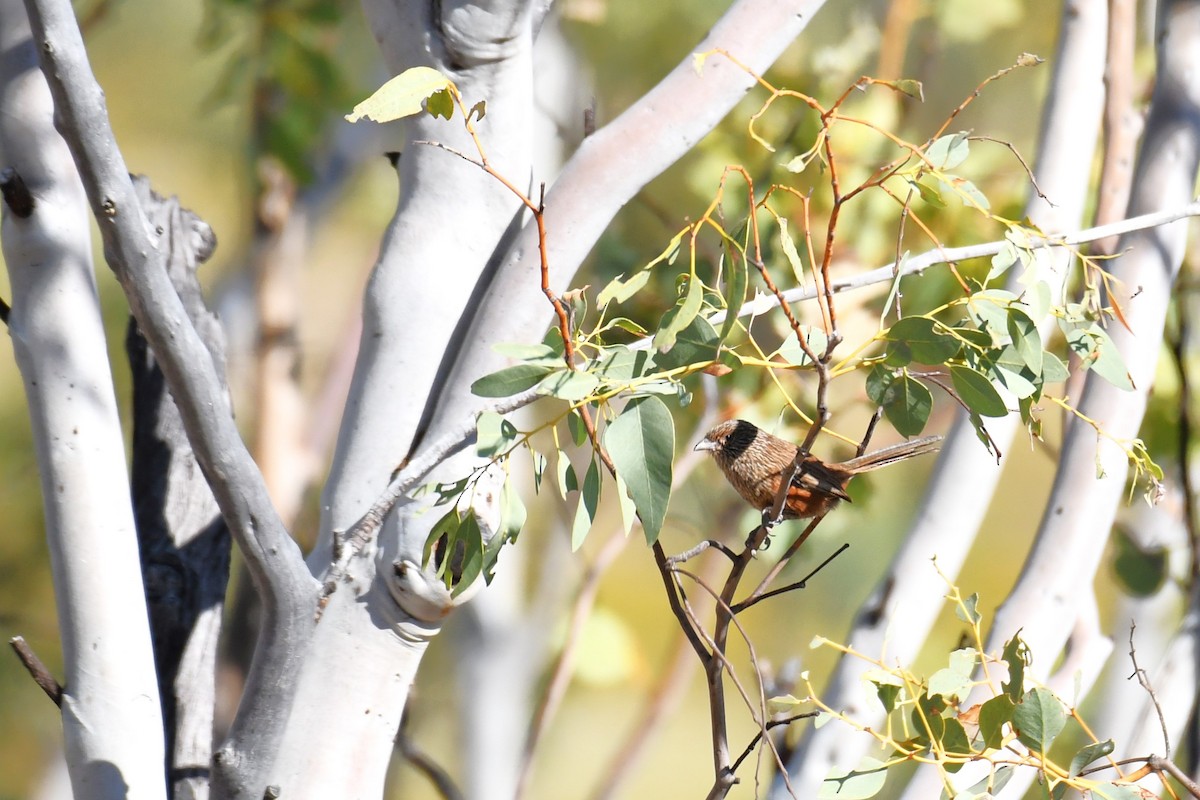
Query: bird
(754, 462)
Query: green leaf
(569, 384)
(1038, 719)
(908, 406)
(928, 194)
(989, 310)
(494, 434)
(512, 520)
(791, 351)
(1088, 754)
(1113, 791)
(977, 391)
(860, 783)
(993, 714)
(626, 505)
(888, 693)
(694, 344)
(539, 469)
(1010, 369)
(1016, 656)
(589, 501)
(989, 786)
(620, 289)
(736, 281)
(529, 352)
(680, 315)
(641, 443)
(579, 434)
(468, 544)
(440, 104)
(402, 96)
(969, 610)
(565, 472)
(510, 380)
(447, 526)
(947, 152)
(1053, 369)
(949, 683)
(879, 383)
(920, 339)
(1003, 261)
(1026, 339)
(1141, 572)
(1099, 353)
(789, 251)
(956, 742)
(619, 364)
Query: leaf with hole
(402, 96)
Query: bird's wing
(815, 474)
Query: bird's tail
(890, 455)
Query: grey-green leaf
(641, 443)
(510, 380)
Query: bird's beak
(705, 444)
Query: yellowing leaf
(402, 96)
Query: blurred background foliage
(200, 94)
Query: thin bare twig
(1144, 680)
(37, 670)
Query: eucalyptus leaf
(641, 443)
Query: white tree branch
(112, 722)
(287, 589)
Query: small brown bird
(754, 462)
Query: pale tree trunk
(112, 723)
(458, 272)
(895, 621)
(1054, 593)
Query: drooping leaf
(1016, 656)
(589, 501)
(736, 280)
(467, 553)
(402, 96)
(641, 443)
(680, 315)
(1026, 339)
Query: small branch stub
(37, 670)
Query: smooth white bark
(112, 723)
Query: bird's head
(728, 440)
